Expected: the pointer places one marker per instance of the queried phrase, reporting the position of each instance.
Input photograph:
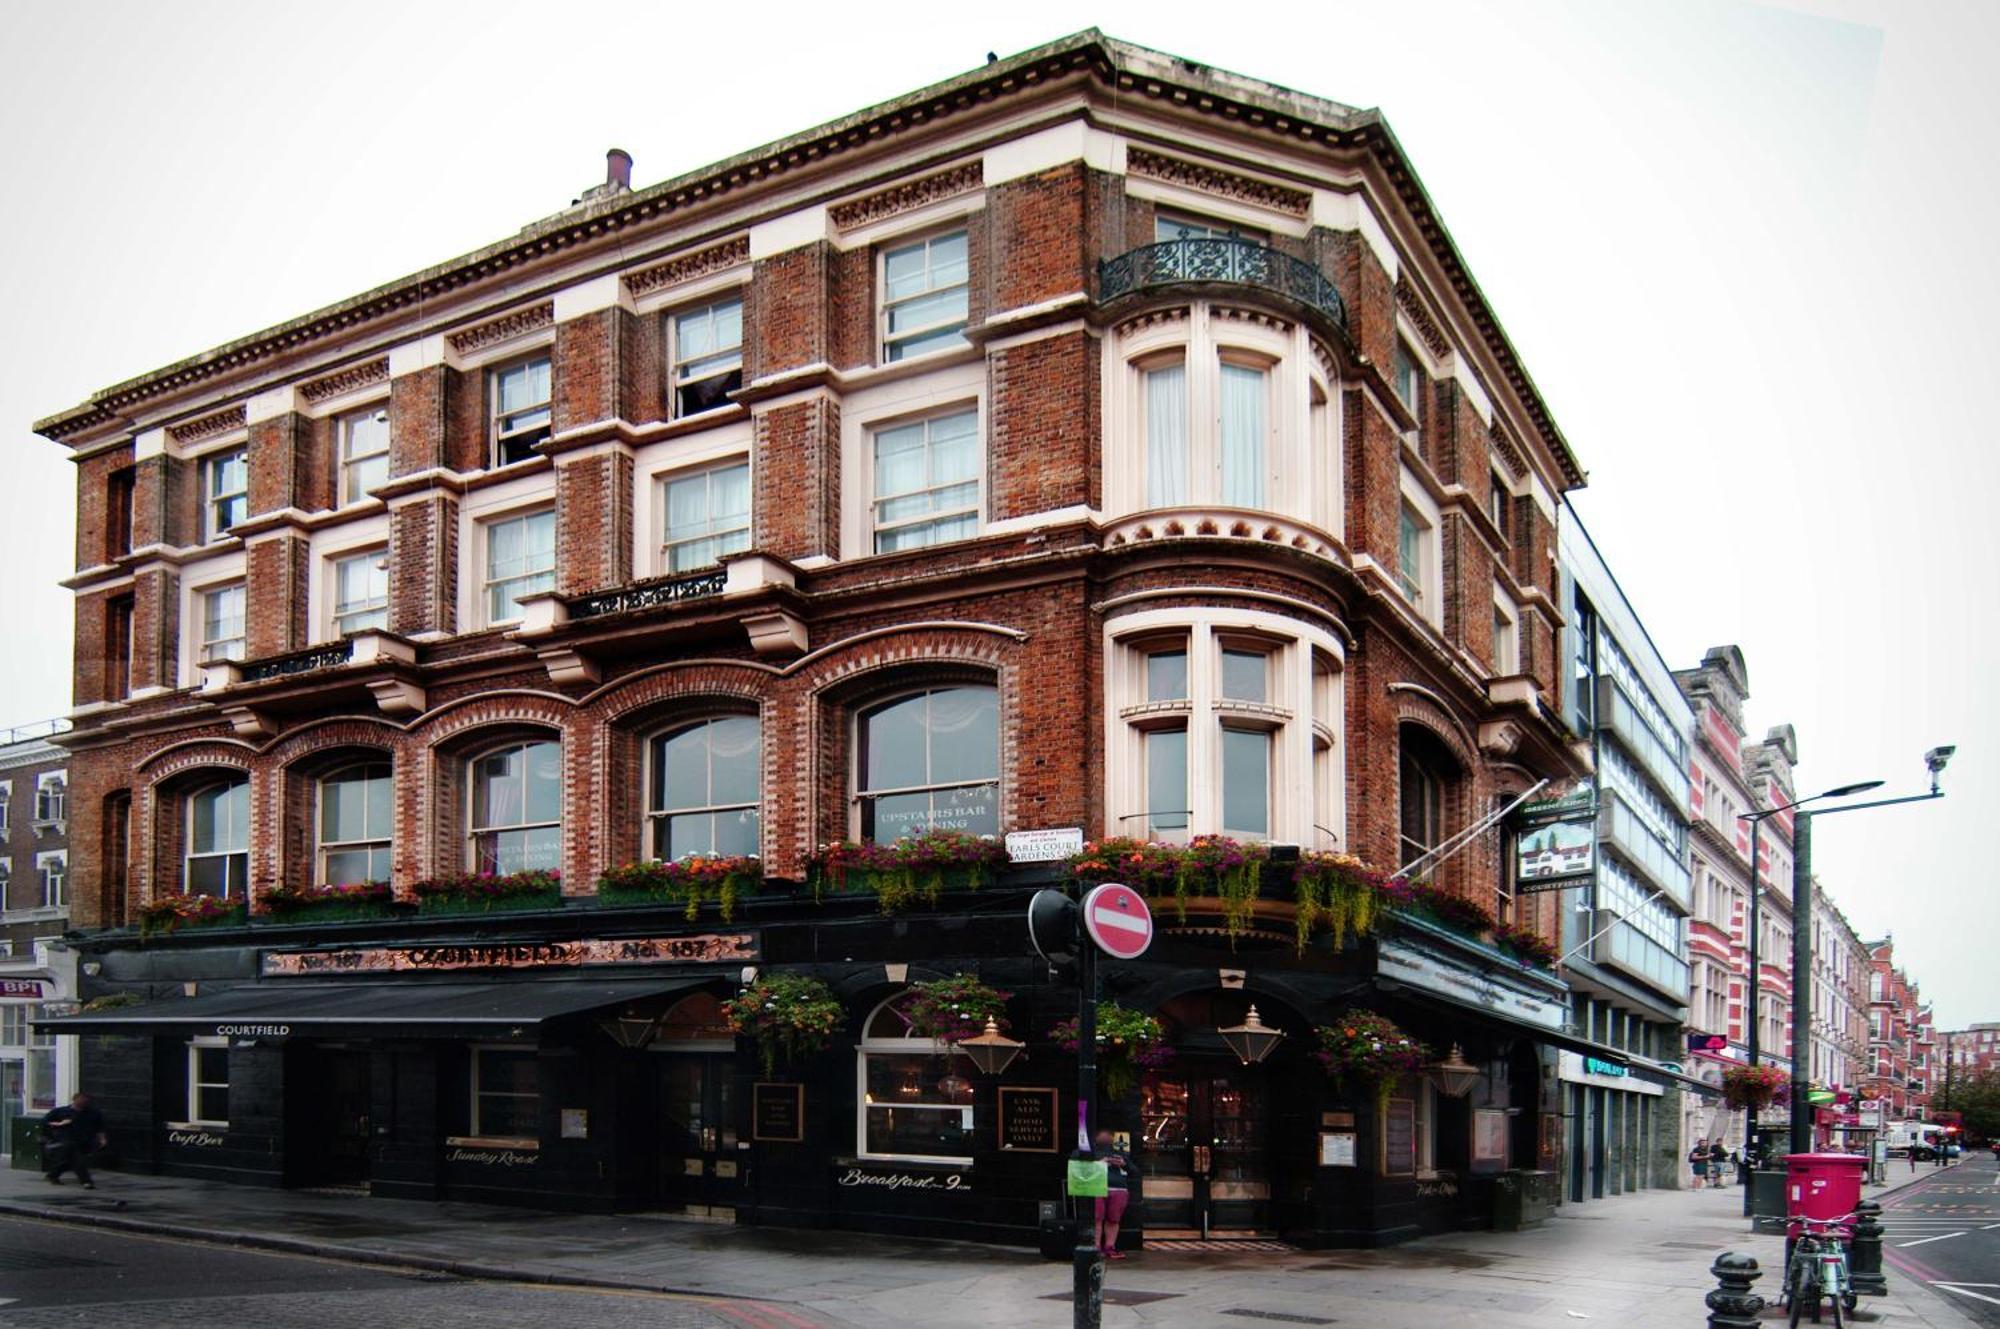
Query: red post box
(1823, 1185)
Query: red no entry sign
(1118, 921)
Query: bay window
(926, 482)
(1244, 434)
(914, 1103)
(516, 819)
(706, 781)
(217, 858)
(1166, 410)
(929, 761)
(356, 810)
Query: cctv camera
(1937, 757)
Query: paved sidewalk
(1638, 1261)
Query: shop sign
(1028, 1120)
(492, 1156)
(1599, 1066)
(1718, 1043)
(190, 1137)
(29, 988)
(1552, 855)
(1420, 970)
(1607, 1074)
(778, 1112)
(862, 1176)
(1044, 846)
(707, 949)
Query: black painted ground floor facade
(579, 1059)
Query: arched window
(217, 858)
(930, 761)
(516, 823)
(355, 818)
(705, 788)
(915, 1104)
(1426, 770)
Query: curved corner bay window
(1244, 434)
(354, 817)
(931, 761)
(517, 809)
(1167, 436)
(915, 1103)
(218, 840)
(927, 482)
(705, 787)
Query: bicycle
(1818, 1270)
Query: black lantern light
(992, 1052)
(1253, 1040)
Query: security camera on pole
(1113, 919)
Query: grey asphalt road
(1945, 1232)
(54, 1274)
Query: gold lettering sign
(706, 949)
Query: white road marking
(1967, 1292)
(1922, 1240)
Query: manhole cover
(1119, 1297)
(31, 1261)
(1279, 1317)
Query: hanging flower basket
(327, 904)
(686, 882)
(1128, 1042)
(1529, 947)
(1754, 1088)
(171, 913)
(946, 1010)
(789, 1015)
(488, 892)
(1337, 892)
(1370, 1050)
(912, 871)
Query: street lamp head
(1861, 787)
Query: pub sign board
(450, 957)
(778, 1112)
(1028, 1120)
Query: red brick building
(1898, 1074)
(1093, 440)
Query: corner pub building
(1094, 440)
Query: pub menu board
(1399, 1138)
(1028, 1120)
(778, 1112)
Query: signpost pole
(1088, 1261)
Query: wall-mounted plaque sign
(706, 949)
(1028, 1120)
(1336, 1148)
(576, 1123)
(778, 1112)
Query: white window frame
(1429, 598)
(323, 846)
(1507, 651)
(676, 362)
(656, 741)
(188, 854)
(911, 1046)
(379, 558)
(667, 543)
(886, 344)
(204, 473)
(872, 501)
(473, 830)
(1303, 721)
(52, 868)
(195, 1084)
(1499, 504)
(473, 1116)
(212, 649)
(1197, 226)
(498, 432)
(51, 798)
(858, 794)
(1408, 373)
(6, 805)
(487, 581)
(348, 461)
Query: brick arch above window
(444, 725)
(163, 805)
(1419, 706)
(293, 859)
(330, 733)
(629, 700)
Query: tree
(1977, 1099)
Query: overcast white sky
(1748, 251)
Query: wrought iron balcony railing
(1223, 259)
(298, 662)
(651, 594)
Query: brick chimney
(617, 178)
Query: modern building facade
(1093, 441)
(36, 973)
(1625, 934)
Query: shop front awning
(503, 1009)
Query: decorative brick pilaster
(594, 522)
(797, 471)
(423, 553)
(277, 575)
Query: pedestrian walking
(69, 1136)
(1117, 1193)
(1698, 1161)
(1717, 1156)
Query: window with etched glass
(225, 489)
(926, 489)
(222, 622)
(520, 560)
(360, 592)
(929, 761)
(356, 813)
(707, 516)
(924, 296)
(517, 809)
(520, 409)
(707, 356)
(914, 1103)
(506, 1101)
(208, 1082)
(706, 784)
(364, 452)
(217, 858)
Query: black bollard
(1864, 1251)
(1733, 1305)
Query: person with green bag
(1117, 1193)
